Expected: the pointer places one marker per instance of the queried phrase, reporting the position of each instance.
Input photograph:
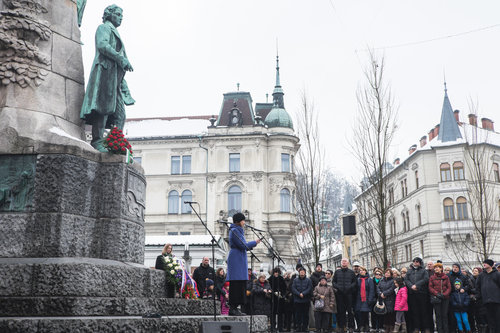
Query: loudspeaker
(349, 224)
(224, 327)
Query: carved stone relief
(21, 30)
(17, 175)
(136, 195)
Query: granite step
(111, 324)
(103, 306)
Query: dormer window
(235, 118)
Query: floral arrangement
(188, 292)
(116, 142)
(173, 271)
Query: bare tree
(476, 241)
(311, 176)
(373, 133)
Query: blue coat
(237, 263)
(304, 287)
(370, 296)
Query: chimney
(456, 114)
(436, 131)
(472, 119)
(431, 134)
(423, 141)
(412, 149)
(396, 161)
(487, 124)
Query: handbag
(380, 308)
(319, 304)
(436, 299)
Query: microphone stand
(275, 255)
(252, 256)
(213, 241)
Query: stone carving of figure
(107, 91)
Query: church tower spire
(448, 127)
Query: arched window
(445, 172)
(285, 201)
(417, 185)
(449, 213)
(173, 202)
(186, 196)
(404, 221)
(458, 170)
(234, 200)
(462, 208)
(496, 172)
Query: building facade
(436, 210)
(240, 161)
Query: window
(458, 170)
(448, 209)
(391, 196)
(408, 252)
(172, 233)
(285, 162)
(285, 201)
(234, 200)
(185, 233)
(445, 172)
(419, 214)
(394, 256)
(462, 208)
(392, 226)
(186, 196)
(422, 248)
(496, 172)
(186, 164)
(406, 221)
(138, 159)
(416, 179)
(173, 202)
(404, 188)
(175, 165)
(234, 162)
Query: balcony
(453, 186)
(457, 227)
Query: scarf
(363, 289)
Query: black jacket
(219, 284)
(202, 273)
(386, 286)
(344, 280)
(465, 281)
(459, 301)
(417, 276)
(488, 286)
(261, 300)
(278, 285)
(304, 287)
(315, 276)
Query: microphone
(190, 202)
(249, 226)
(220, 221)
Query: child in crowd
(209, 289)
(224, 306)
(401, 305)
(459, 303)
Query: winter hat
(238, 217)
(226, 284)
(356, 263)
(489, 262)
(456, 264)
(438, 265)
(323, 278)
(418, 259)
(457, 281)
(209, 283)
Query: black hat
(301, 268)
(298, 266)
(238, 217)
(319, 264)
(418, 259)
(323, 277)
(489, 262)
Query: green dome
(278, 117)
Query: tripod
(275, 255)
(213, 242)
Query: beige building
(240, 161)
(433, 196)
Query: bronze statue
(107, 91)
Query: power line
(434, 39)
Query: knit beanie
(438, 265)
(489, 262)
(209, 283)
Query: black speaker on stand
(224, 327)
(349, 225)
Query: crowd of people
(415, 299)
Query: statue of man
(107, 91)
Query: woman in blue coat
(365, 298)
(237, 264)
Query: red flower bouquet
(116, 142)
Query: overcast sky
(186, 54)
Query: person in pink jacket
(401, 305)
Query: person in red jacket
(401, 305)
(440, 287)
